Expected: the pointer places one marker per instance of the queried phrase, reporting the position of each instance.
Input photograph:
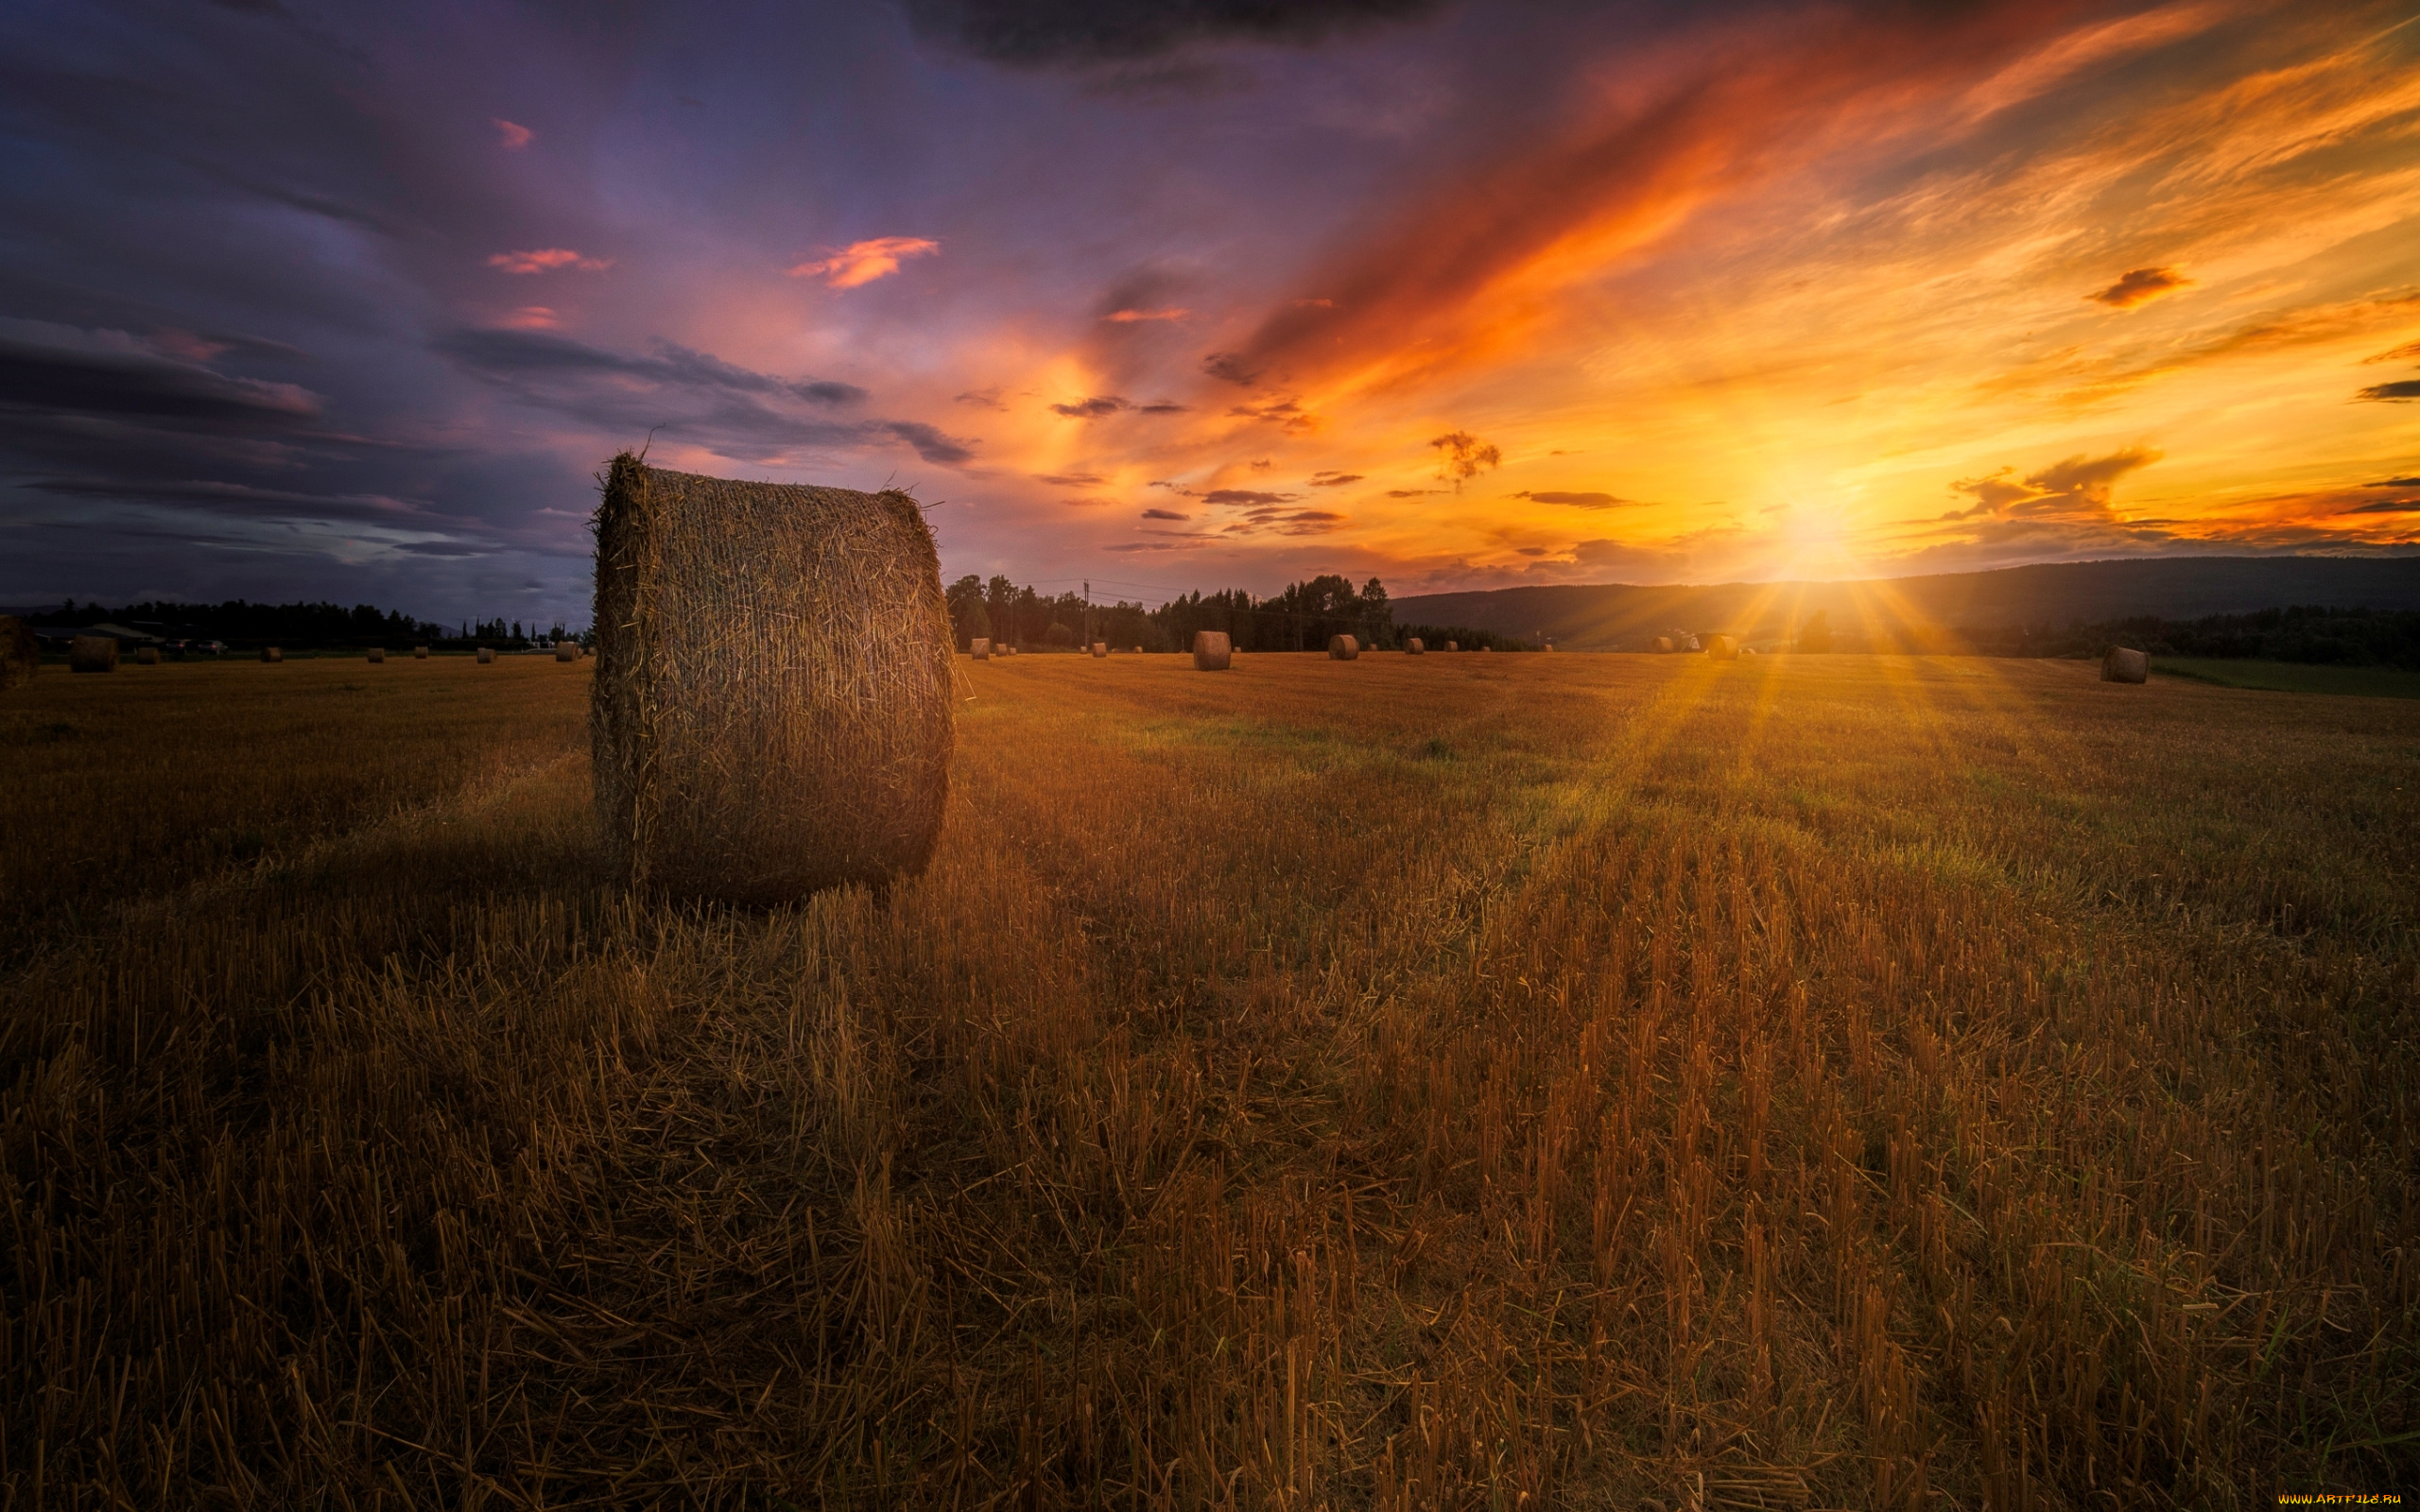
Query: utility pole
(1088, 617)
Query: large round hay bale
(1453, 646)
(377, 653)
(1723, 647)
(487, 654)
(147, 656)
(92, 653)
(566, 651)
(1100, 649)
(1662, 644)
(2120, 664)
(419, 653)
(20, 652)
(773, 701)
(272, 653)
(979, 648)
(1212, 651)
(1413, 648)
(1342, 648)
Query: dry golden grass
(1609, 1081)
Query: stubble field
(1476, 1081)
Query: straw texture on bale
(2120, 664)
(1723, 647)
(1212, 650)
(92, 653)
(419, 653)
(148, 656)
(1413, 648)
(377, 653)
(20, 652)
(979, 648)
(774, 705)
(487, 654)
(272, 653)
(1342, 648)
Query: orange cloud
(547, 259)
(515, 136)
(1130, 316)
(2140, 287)
(861, 262)
(531, 317)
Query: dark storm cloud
(246, 501)
(1097, 407)
(2139, 286)
(532, 351)
(1249, 497)
(929, 442)
(1025, 33)
(110, 375)
(2405, 389)
(695, 395)
(1577, 501)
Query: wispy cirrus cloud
(861, 262)
(548, 260)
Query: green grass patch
(2294, 676)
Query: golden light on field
(1406, 1082)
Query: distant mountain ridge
(1926, 612)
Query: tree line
(1301, 618)
(2305, 633)
(301, 626)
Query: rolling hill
(1926, 612)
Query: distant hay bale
(272, 653)
(1212, 650)
(92, 653)
(147, 656)
(773, 704)
(20, 652)
(1723, 647)
(1342, 648)
(1413, 648)
(419, 653)
(1662, 645)
(2120, 664)
(1139, 650)
(980, 648)
(1453, 646)
(1100, 649)
(377, 653)
(487, 654)
(1746, 650)
(566, 651)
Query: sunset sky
(303, 299)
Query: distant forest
(2326, 637)
(1302, 618)
(301, 627)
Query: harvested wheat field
(1582, 1082)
